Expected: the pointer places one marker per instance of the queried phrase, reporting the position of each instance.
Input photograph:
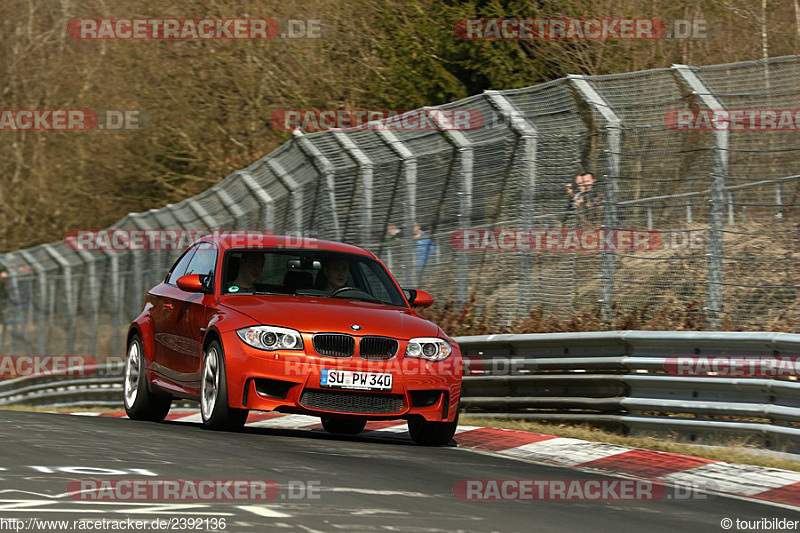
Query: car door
(164, 298)
(192, 317)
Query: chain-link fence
(725, 202)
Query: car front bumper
(289, 381)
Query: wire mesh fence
(723, 200)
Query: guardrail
(615, 379)
(619, 379)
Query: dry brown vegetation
(210, 102)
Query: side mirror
(191, 283)
(418, 298)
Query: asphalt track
(365, 484)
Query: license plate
(346, 379)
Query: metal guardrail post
(161, 257)
(265, 201)
(328, 174)
(613, 129)
(719, 176)
(365, 169)
(94, 298)
(66, 268)
(295, 193)
(231, 207)
(202, 214)
(41, 280)
(528, 136)
(173, 221)
(465, 171)
(116, 303)
(408, 168)
(11, 317)
(141, 265)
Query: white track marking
(190, 417)
(742, 479)
(566, 451)
(286, 422)
(261, 510)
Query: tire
(214, 409)
(343, 426)
(427, 433)
(140, 403)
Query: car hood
(313, 315)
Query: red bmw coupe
(296, 326)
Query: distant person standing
(424, 248)
(581, 194)
(393, 233)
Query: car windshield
(308, 273)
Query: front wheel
(140, 403)
(214, 408)
(343, 426)
(427, 433)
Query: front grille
(380, 348)
(334, 345)
(351, 402)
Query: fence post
(12, 311)
(116, 300)
(528, 136)
(140, 266)
(731, 214)
(719, 175)
(328, 173)
(231, 207)
(295, 194)
(466, 157)
(613, 130)
(365, 169)
(265, 201)
(70, 295)
(41, 280)
(408, 167)
(94, 298)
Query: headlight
(429, 348)
(271, 338)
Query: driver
(336, 272)
(250, 266)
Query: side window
(204, 260)
(374, 285)
(180, 266)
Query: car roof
(259, 240)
